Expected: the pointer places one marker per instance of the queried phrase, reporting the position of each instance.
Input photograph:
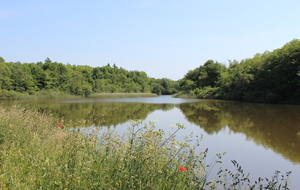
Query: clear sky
(164, 38)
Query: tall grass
(37, 152)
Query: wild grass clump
(36, 152)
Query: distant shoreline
(58, 95)
(121, 95)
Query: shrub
(9, 95)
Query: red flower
(182, 168)
(59, 125)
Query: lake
(262, 138)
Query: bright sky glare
(164, 38)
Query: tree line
(49, 76)
(269, 77)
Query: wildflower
(182, 168)
(59, 125)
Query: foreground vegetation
(270, 77)
(37, 152)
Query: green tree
(270, 77)
(2, 60)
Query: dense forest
(270, 77)
(48, 77)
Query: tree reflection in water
(273, 126)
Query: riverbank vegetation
(122, 95)
(38, 152)
(270, 77)
(52, 79)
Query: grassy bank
(37, 152)
(12, 95)
(121, 95)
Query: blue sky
(164, 38)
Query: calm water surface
(261, 138)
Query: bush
(206, 92)
(9, 95)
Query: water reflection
(99, 113)
(273, 126)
